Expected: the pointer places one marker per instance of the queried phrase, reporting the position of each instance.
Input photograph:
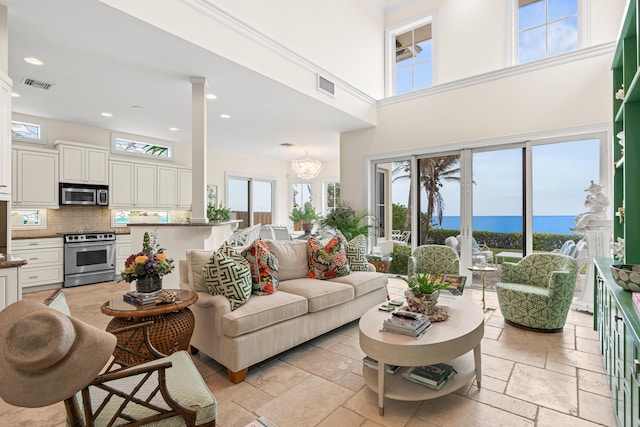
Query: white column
(199, 150)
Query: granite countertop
(124, 230)
(183, 224)
(8, 261)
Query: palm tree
(434, 171)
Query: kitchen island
(177, 238)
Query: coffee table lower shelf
(399, 388)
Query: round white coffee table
(455, 341)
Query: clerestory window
(546, 28)
(412, 57)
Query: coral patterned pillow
(329, 261)
(264, 267)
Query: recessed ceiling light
(225, 116)
(211, 96)
(174, 129)
(286, 144)
(106, 114)
(136, 107)
(33, 61)
(15, 95)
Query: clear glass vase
(149, 284)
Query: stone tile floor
(529, 379)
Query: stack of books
(373, 364)
(407, 323)
(141, 298)
(432, 376)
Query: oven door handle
(89, 244)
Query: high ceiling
(101, 60)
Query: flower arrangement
(152, 262)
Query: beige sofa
(301, 309)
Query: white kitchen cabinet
(132, 185)
(145, 186)
(35, 178)
(123, 251)
(174, 188)
(45, 261)
(5, 137)
(9, 289)
(83, 164)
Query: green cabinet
(626, 121)
(618, 326)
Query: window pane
(439, 192)
(404, 80)
(531, 15)
(425, 50)
(424, 75)
(531, 45)
(127, 146)
(262, 208)
(563, 36)
(561, 8)
(25, 130)
(238, 197)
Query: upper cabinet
(83, 164)
(5, 137)
(139, 186)
(35, 178)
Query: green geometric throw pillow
(356, 250)
(228, 273)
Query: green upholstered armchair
(437, 259)
(536, 292)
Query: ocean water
(509, 224)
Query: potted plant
(148, 266)
(218, 213)
(303, 216)
(349, 222)
(423, 292)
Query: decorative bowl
(627, 276)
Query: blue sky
(561, 173)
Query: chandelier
(306, 168)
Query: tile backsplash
(71, 219)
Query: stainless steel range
(89, 257)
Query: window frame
(42, 215)
(41, 140)
(325, 195)
(390, 51)
(584, 31)
(142, 140)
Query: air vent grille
(37, 84)
(326, 85)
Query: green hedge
(400, 259)
(541, 241)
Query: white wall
(564, 96)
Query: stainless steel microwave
(84, 195)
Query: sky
(561, 173)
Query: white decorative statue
(597, 202)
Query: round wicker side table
(172, 323)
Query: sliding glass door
(250, 200)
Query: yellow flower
(161, 257)
(141, 259)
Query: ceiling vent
(37, 84)
(326, 86)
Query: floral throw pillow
(329, 261)
(356, 251)
(228, 273)
(264, 267)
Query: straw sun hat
(47, 356)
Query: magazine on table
(433, 376)
(373, 364)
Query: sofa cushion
(291, 256)
(363, 282)
(356, 251)
(196, 260)
(262, 311)
(326, 262)
(264, 267)
(320, 294)
(228, 273)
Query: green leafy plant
(425, 283)
(306, 213)
(349, 222)
(218, 212)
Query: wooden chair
(164, 390)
